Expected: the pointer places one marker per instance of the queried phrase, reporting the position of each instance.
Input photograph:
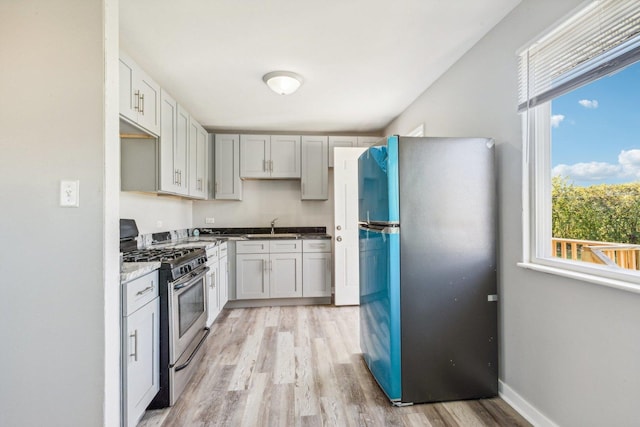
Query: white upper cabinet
(367, 141)
(227, 184)
(255, 152)
(315, 168)
(197, 160)
(340, 141)
(285, 156)
(180, 154)
(168, 144)
(266, 156)
(139, 96)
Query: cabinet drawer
(285, 246)
(252, 247)
(316, 245)
(222, 249)
(140, 291)
(212, 252)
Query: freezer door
(380, 307)
(378, 184)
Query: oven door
(188, 311)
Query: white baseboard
(524, 408)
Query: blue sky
(596, 130)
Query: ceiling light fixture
(283, 82)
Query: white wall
(155, 213)
(264, 200)
(569, 349)
(54, 267)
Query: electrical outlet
(70, 194)
(210, 220)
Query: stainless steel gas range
(183, 313)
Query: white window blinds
(600, 39)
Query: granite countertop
(264, 233)
(133, 270)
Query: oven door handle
(186, 280)
(185, 364)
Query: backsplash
(145, 240)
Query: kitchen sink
(273, 236)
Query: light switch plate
(70, 194)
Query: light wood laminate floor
(302, 366)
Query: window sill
(584, 277)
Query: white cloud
(592, 171)
(628, 168)
(556, 119)
(586, 103)
(630, 163)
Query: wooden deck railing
(614, 254)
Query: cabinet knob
(339, 227)
(339, 238)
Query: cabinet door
(224, 281)
(149, 102)
(285, 272)
(368, 141)
(254, 154)
(201, 164)
(340, 141)
(168, 148)
(197, 159)
(128, 101)
(181, 152)
(213, 291)
(141, 364)
(317, 274)
(315, 168)
(227, 182)
(285, 156)
(252, 276)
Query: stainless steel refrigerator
(428, 291)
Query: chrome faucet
(273, 225)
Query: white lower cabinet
(317, 274)
(213, 286)
(283, 269)
(252, 276)
(223, 276)
(268, 269)
(285, 275)
(317, 267)
(140, 362)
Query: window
(579, 87)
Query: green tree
(603, 212)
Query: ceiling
(363, 61)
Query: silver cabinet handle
(137, 104)
(142, 103)
(213, 280)
(270, 165)
(339, 227)
(145, 290)
(339, 238)
(135, 345)
(270, 265)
